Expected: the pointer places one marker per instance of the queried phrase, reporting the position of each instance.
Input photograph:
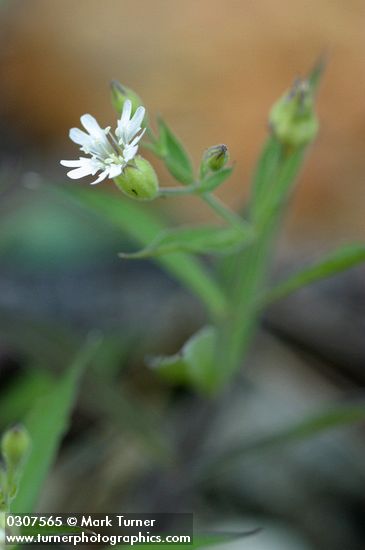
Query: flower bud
(214, 158)
(15, 445)
(139, 180)
(292, 118)
(120, 94)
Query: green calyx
(138, 180)
(214, 158)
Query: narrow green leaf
(174, 155)
(336, 262)
(143, 226)
(215, 179)
(336, 417)
(193, 365)
(198, 240)
(47, 423)
(315, 75)
(21, 394)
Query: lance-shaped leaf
(193, 365)
(336, 262)
(174, 155)
(198, 240)
(335, 417)
(215, 179)
(47, 423)
(143, 225)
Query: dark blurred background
(213, 69)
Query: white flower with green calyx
(109, 153)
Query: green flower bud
(292, 118)
(15, 445)
(139, 180)
(214, 158)
(120, 94)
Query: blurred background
(213, 70)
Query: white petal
(102, 177)
(126, 114)
(136, 121)
(70, 163)
(79, 162)
(130, 152)
(115, 170)
(123, 123)
(79, 137)
(137, 138)
(91, 125)
(80, 172)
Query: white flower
(108, 153)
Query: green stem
(222, 210)
(214, 202)
(249, 273)
(166, 192)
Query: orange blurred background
(213, 69)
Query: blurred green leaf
(316, 73)
(336, 262)
(215, 179)
(47, 423)
(203, 240)
(144, 226)
(21, 395)
(112, 401)
(333, 418)
(174, 155)
(265, 173)
(193, 365)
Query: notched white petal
(130, 152)
(80, 172)
(138, 117)
(101, 177)
(138, 138)
(126, 113)
(91, 125)
(70, 163)
(79, 137)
